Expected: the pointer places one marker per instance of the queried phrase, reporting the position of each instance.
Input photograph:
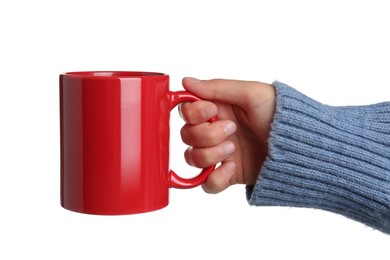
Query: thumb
(234, 92)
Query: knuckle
(212, 136)
(184, 134)
(201, 157)
(216, 81)
(188, 115)
(201, 160)
(191, 113)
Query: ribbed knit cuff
(331, 158)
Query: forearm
(331, 158)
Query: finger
(207, 134)
(197, 112)
(220, 178)
(205, 157)
(227, 91)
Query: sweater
(325, 157)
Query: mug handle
(175, 98)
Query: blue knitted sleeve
(331, 158)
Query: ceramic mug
(115, 142)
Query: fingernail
(191, 80)
(230, 128)
(227, 148)
(228, 168)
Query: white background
(334, 51)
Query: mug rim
(113, 74)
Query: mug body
(114, 142)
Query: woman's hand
(238, 139)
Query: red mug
(115, 142)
